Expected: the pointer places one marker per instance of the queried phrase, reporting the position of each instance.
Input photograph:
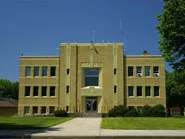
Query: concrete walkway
(90, 127)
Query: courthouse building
(90, 77)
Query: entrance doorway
(91, 104)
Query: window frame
(115, 89)
(131, 71)
(34, 91)
(25, 91)
(139, 92)
(147, 92)
(157, 92)
(147, 72)
(26, 68)
(52, 91)
(131, 92)
(44, 75)
(36, 68)
(42, 91)
(53, 72)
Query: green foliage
(158, 111)
(60, 113)
(132, 112)
(117, 111)
(172, 33)
(146, 111)
(9, 89)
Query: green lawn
(30, 122)
(143, 123)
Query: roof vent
(145, 53)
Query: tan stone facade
(89, 77)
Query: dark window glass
(35, 109)
(147, 70)
(115, 89)
(130, 71)
(147, 90)
(139, 91)
(28, 71)
(156, 90)
(67, 108)
(27, 90)
(44, 71)
(43, 109)
(52, 90)
(130, 91)
(67, 89)
(91, 77)
(91, 81)
(35, 91)
(51, 109)
(36, 71)
(138, 69)
(115, 71)
(53, 71)
(67, 71)
(44, 90)
(156, 69)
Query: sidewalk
(90, 127)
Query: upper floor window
(44, 91)
(27, 90)
(156, 71)
(115, 71)
(53, 71)
(115, 89)
(67, 71)
(28, 71)
(91, 76)
(44, 71)
(35, 91)
(130, 71)
(139, 90)
(130, 91)
(52, 90)
(67, 89)
(139, 71)
(147, 90)
(147, 71)
(36, 71)
(156, 90)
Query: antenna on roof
(121, 29)
(93, 34)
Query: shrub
(117, 111)
(158, 111)
(146, 111)
(132, 112)
(60, 113)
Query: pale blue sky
(37, 27)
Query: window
(52, 90)
(67, 108)
(139, 71)
(26, 109)
(43, 109)
(156, 71)
(139, 91)
(92, 77)
(115, 71)
(115, 89)
(147, 90)
(147, 71)
(36, 71)
(51, 109)
(35, 109)
(156, 90)
(28, 71)
(130, 91)
(44, 90)
(53, 71)
(44, 71)
(35, 91)
(67, 71)
(67, 89)
(130, 71)
(27, 91)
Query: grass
(30, 122)
(144, 123)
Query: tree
(9, 89)
(172, 33)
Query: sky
(37, 27)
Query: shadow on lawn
(18, 130)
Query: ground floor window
(51, 109)
(35, 109)
(26, 109)
(43, 109)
